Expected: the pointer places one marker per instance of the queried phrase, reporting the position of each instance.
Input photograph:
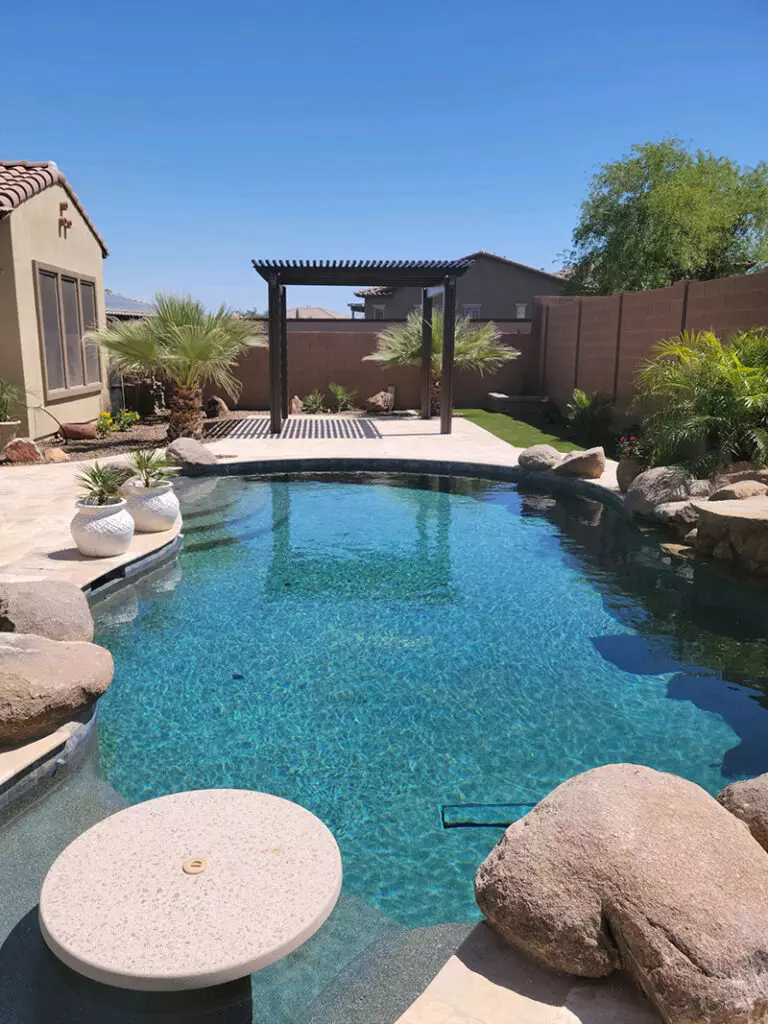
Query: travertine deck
(486, 982)
(36, 502)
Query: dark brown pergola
(424, 274)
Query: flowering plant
(104, 424)
(637, 446)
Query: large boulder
(679, 513)
(748, 800)
(739, 490)
(216, 408)
(624, 866)
(588, 465)
(382, 401)
(22, 449)
(539, 457)
(735, 472)
(51, 608)
(735, 531)
(189, 453)
(44, 683)
(660, 486)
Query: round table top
(190, 890)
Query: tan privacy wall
(598, 343)
(323, 351)
(34, 236)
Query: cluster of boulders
(24, 449)
(725, 516)
(50, 670)
(624, 867)
(586, 465)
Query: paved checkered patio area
(319, 428)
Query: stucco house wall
(495, 284)
(31, 235)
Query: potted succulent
(102, 526)
(149, 493)
(10, 398)
(635, 451)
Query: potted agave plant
(102, 526)
(635, 451)
(149, 493)
(10, 398)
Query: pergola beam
(275, 371)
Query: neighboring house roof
(122, 306)
(372, 293)
(314, 313)
(22, 179)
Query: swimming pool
(376, 648)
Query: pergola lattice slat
(424, 274)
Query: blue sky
(201, 134)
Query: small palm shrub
(343, 397)
(185, 344)
(476, 347)
(149, 467)
(707, 399)
(100, 484)
(314, 402)
(589, 415)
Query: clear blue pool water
(374, 652)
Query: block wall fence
(598, 343)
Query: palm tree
(477, 347)
(708, 399)
(187, 346)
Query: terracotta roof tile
(22, 179)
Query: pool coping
(31, 766)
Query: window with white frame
(472, 310)
(66, 305)
(378, 312)
(521, 310)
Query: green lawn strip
(515, 432)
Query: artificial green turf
(515, 432)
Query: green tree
(662, 214)
(186, 345)
(476, 347)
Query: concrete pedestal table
(190, 890)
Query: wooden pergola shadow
(429, 275)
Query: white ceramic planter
(8, 430)
(154, 508)
(101, 531)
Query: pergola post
(449, 338)
(283, 353)
(426, 354)
(275, 401)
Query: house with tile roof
(51, 293)
(493, 288)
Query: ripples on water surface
(374, 652)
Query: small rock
(588, 465)
(624, 866)
(23, 449)
(690, 537)
(297, 406)
(54, 609)
(216, 408)
(78, 431)
(382, 401)
(539, 456)
(739, 490)
(681, 513)
(45, 683)
(748, 800)
(56, 455)
(188, 453)
(660, 486)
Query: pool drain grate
(482, 815)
